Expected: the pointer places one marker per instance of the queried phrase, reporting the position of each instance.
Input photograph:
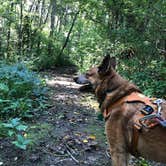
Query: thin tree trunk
(53, 12)
(52, 26)
(20, 29)
(40, 23)
(68, 35)
(9, 31)
(1, 31)
(31, 7)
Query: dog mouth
(81, 79)
(86, 84)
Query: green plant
(15, 130)
(22, 94)
(142, 162)
(21, 91)
(149, 76)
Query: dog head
(94, 76)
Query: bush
(150, 77)
(22, 93)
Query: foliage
(37, 31)
(16, 130)
(142, 162)
(22, 94)
(150, 78)
(21, 91)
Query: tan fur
(119, 126)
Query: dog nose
(75, 79)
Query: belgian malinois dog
(120, 115)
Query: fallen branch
(68, 150)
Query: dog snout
(81, 79)
(75, 79)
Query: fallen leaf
(66, 137)
(25, 135)
(92, 137)
(85, 141)
(77, 134)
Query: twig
(68, 152)
(70, 149)
(57, 155)
(62, 160)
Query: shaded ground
(68, 134)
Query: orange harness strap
(134, 142)
(135, 96)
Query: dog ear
(113, 62)
(106, 65)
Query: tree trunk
(52, 26)
(20, 29)
(53, 12)
(40, 23)
(8, 32)
(31, 7)
(68, 35)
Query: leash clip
(158, 102)
(148, 117)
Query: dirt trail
(67, 134)
(76, 126)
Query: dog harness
(147, 117)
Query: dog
(121, 103)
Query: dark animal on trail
(134, 123)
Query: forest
(43, 40)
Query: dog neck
(112, 89)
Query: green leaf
(15, 121)
(21, 127)
(20, 138)
(4, 87)
(7, 125)
(11, 133)
(19, 145)
(4, 101)
(21, 142)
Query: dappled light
(57, 81)
(46, 118)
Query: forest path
(79, 134)
(69, 133)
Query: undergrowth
(149, 77)
(22, 95)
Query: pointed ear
(105, 65)
(113, 62)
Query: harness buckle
(149, 117)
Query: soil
(69, 133)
